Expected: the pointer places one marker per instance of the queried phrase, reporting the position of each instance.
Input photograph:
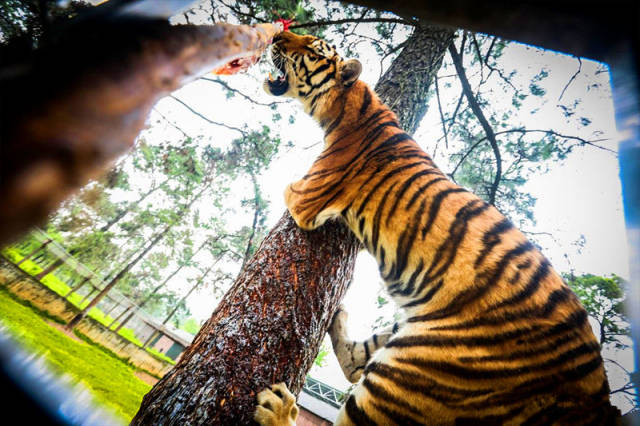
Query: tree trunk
(267, 329)
(34, 252)
(404, 87)
(75, 320)
(153, 292)
(177, 306)
(269, 326)
(130, 207)
(77, 287)
(55, 265)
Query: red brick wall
(305, 418)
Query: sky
(577, 198)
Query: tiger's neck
(341, 112)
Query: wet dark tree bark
(267, 329)
(269, 326)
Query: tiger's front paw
(276, 407)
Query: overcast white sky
(578, 196)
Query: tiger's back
(493, 335)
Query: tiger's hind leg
(353, 356)
(276, 407)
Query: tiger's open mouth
(277, 81)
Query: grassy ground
(111, 381)
(61, 288)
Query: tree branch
(256, 214)
(582, 141)
(352, 20)
(444, 129)
(452, 120)
(523, 131)
(493, 43)
(237, 11)
(242, 132)
(172, 124)
(247, 97)
(464, 157)
(475, 107)
(573, 77)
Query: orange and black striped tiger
(492, 336)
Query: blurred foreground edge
(70, 109)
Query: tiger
(492, 334)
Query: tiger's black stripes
(406, 186)
(435, 340)
(490, 419)
(356, 414)
(366, 102)
(405, 242)
(410, 284)
(427, 297)
(572, 323)
(414, 382)
(457, 232)
(475, 373)
(482, 284)
(376, 219)
(384, 179)
(489, 318)
(542, 385)
(422, 189)
(492, 238)
(395, 416)
(493, 335)
(530, 352)
(435, 207)
(330, 189)
(534, 283)
(382, 394)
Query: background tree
(604, 300)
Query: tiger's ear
(350, 71)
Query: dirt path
(63, 330)
(147, 378)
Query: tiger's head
(310, 70)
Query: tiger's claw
(276, 407)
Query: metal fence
(84, 283)
(323, 392)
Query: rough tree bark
(267, 329)
(405, 85)
(269, 326)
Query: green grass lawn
(111, 381)
(61, 288)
